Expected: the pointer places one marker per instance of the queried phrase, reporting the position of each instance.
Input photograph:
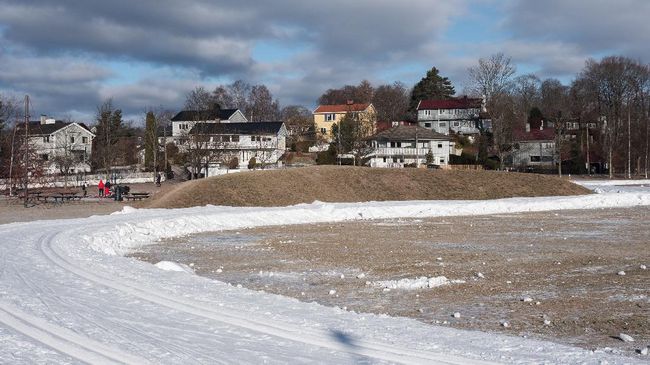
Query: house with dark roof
(463, 115)
(326, 116)
(534, 147)
(409, 145)
(61, 145)
(263, 141)
(184, 120)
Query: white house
(61, 145)
(404, 145)
(534, 147)
(265, 141)
(183, 122)
(461, 115)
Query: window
(547, 158)
(234, 138)
(84, 140)
(442, 160)
(442, 125)
(456, 124)
(323, 130)
(71, 139)
(535, 159)
(439, 145)
(45, 157)
(330, 117)
(46, 139)
(427, 125)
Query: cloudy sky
(70, 55)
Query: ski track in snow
(64, 289)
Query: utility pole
(417, 152)
(26, 157)
(588, 162)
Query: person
(158, 179)
(84, 188)
(107, 190)
(101, 188)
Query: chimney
(43, 118)
(350, 102)
(50, 121)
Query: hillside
(357, 184)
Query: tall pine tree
(432, 86)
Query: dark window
(235, 138)
(45, 157)
(428, 125)
(535, 159)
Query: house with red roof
(326, 116)
(463, 115)
(535, 146)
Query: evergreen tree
(432, 86)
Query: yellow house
(325, 116)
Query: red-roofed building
(325, 116)
(459, 115)
(534, 147)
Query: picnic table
(59, 197)
(136, 196)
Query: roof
(202, 115)
(546, 134)
(342, 108)
(453, 103)
(36, 128)
(248, 128)
(407, 133)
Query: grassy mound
(358, 184)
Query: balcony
(395, 151)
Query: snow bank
(173, 266)
(141, 226)
(419, 283)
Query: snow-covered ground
(67, 295)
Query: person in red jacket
(101, 188)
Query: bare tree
(391, 102)
(261, 105)
(492, 76)
(67, 155)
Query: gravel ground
(567, 263)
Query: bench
(136, 196)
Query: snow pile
(174, 266)
(419, 283)
(143, 227)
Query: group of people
(104, 189)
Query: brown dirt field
(567, 261)
(359, 184)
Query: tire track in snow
(323, 339)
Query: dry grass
(358, 184)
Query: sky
(71, 55)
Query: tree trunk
(629, 145)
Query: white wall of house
(443, 120)
(400, 153)
(534, 153)
(71, 139)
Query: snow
(174, 266)
(67, 295)
(418, 283)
